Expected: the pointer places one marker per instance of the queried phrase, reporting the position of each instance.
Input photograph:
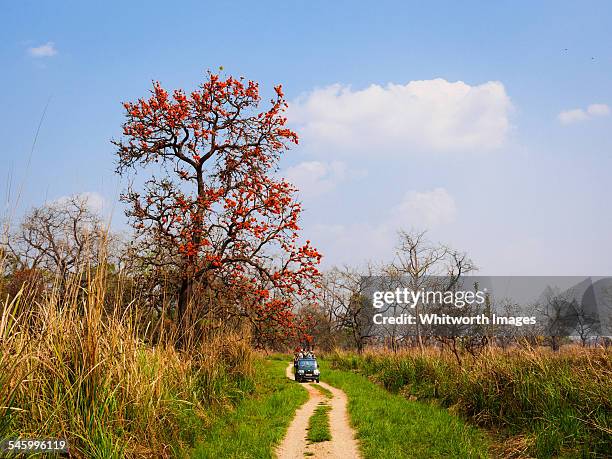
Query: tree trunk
(359, 343)
(418, 329)
(554, 341)
(184, 299)
(455, 350)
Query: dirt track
(342, 445)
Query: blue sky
(512, 165)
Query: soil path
(342, 445)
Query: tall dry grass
(72, 367)
(545, 403)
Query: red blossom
(236, 213)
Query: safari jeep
(306, 370)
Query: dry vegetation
(76, 367)
(542, 403)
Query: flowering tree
(217, 216)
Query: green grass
(318, 425)
(279, 356)
(553, 404)
(326, 392)
(390, 426)
(259, 423)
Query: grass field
(259, 422)
(84, 369)
(539, 403)
(390, 426)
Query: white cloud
(363, 240)
(572, 116)
(314, 178)
(598, 110)
(426, 209)
(46, 50)
(94, 200)
(576, 115)
(427, 115)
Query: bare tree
(344, 301)
(555, 308)
(61, 237)
(419, 264)
(586, 324)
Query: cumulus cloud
(429, 115)
(46, 50)
(576, 115)
(315, 178)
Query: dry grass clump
(556, 402)
(72, 369)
